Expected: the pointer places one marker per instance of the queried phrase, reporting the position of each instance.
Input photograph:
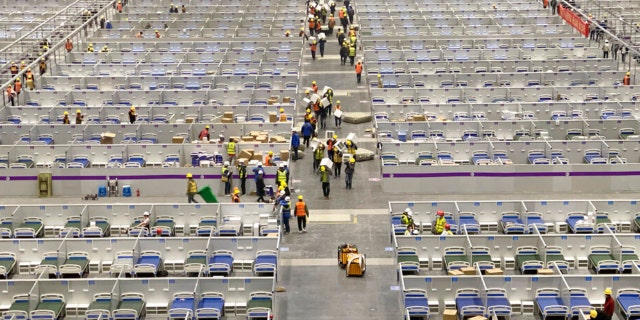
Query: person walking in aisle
(326, 182)
(359, 70)
(192, 188)
(349, 170)
(302, 212)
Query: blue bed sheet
(216, 303)
(572, 221)
(465, 302)
(183, 303)
(578, 301)
(544, 302)
(152, 260)
(498, 301)
(84, 161)
(266, 259)
(226, 260)
(628, 300)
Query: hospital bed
(138, 159)
(469, 303)
(548, 303)
(49, 264)
(603, 221)
(578, 223)
(416, 303)
(579, 302)
(210, 306)
(135, 230)
(195, 263)
(628, 303)
(501, 157)
(601, 259)
(408, 262)
(76, 264)
(79, 161)
(266, 262)
(31, 227)
(498, 303)
(7, 264)
(629, 258)
(511, 223)
(6, 227)
(207, 226)
(19, 309)
(594, 156)
(130, 307)
(98, 227)
(164, 226)
(269, 229)
(231, 227)
(537, 157)
(182, 306)
(131, 137)
(259, 306)
(149, 263)
(50, 307)
(455, 258)
(123, 263)
(535, 219)
(115, 161)
(528, 260)
(554, 256)
(636, 222)
(220, 263)
(151, 138)
(101, 307)
(481, 258)
(467, 220)
(46, 138)
(481, 158)
(627, 133)
(71, 228)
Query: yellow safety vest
(231, 148)
(440, 222)
(191, 186)
(282, 176)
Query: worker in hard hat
(231, 149)
(337, 162)
(326, 182)
(90, 47)
(31, 82)
(235, 197)
(303, 34)
(313, 46)
(192, 188)
(285, 204)
(307, 131)
(331, 24)
(282, 176)
(68, 45)
(312, 26)
(144, 222)
(287, 34)
(407, 217)
(17, 88)
(268, 159)
(65, 119)
(411, 230)
(283, 116)
(119, 6)
(79, 117)
(598, 315)
(204, 134)
(242, 174)
(260, 185)
(105, 48)
(295, 144)
(11, 95)
(447, 230)
(437, 226)
(158, 35)
(302, 212)
(609, 304)
(132, 115)
(349, 170)
(314, 87)
(359, 68)
(318, 155)
(42, 66)
(331, 142)
(13, 69)
(627, 79)
(351, 147)
(337, 114)
(226, 178)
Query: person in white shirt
(146, 221)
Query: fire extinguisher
(137, 192)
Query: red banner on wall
(573, 19)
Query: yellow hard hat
(313, 82)
(607, 291)
(302, 29)
(322, 169)
(348, 142)
(628, 73)
(13, 62)
(335, 136)
(236, 191)
(352, 160)
(300, 197)
(189, 175)
(22, 61)
(593, 314)
(281, 109)
(105, 46)
(288, 31)
(133, 108)
(206, 127)
(90, 45)
(78, 111)
(338, 102)
(28, 69)
(270, 153)
(306, 91)
(379, 75)
(66, 113)
(156, 31)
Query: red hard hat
(440, 213)
(447, 226)
(159, 231)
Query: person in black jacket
(344, 53)
(260, 186)
(132, 115)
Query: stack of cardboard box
(227, 117)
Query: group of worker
(337, 159)
(79, 117)
(439, 226)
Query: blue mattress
(46, 140)
(536, 220)
(266, 259)
(462, 302)
(141, 161)
(573, 220)
(410, 301)
(183, 303)
(544, 302)
(84, 161)
(472, 223)
(533, 157)
(511, 219)
(221, 259)
(578, 301)
(211, 303)
(477, 158)
(498, 301)
(152, 260)
(627, 300)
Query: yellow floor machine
(353, 262)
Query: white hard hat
(287, 199)
(259, 164)
(415, 231)
(282, 192)
(260, 172)
(146, 213)
(408, 211)
(226, 163)
(281, 165)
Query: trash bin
(207, 194)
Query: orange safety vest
(283, 117)
(316, 107)
(14, 69)
(235, 198)
(9, 92)
(341, 14)
(358, 68)
(626, 80)
(312, 25)
(300, 209)
(314, 88)
(313, 47)
(332, 23)
(119, 7)
(17, 86)
(267, 161)
(68, 46)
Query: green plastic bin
(207, 194)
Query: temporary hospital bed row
(183, 69)
(549, 297)
(159, 46)
(519, 223)
(479, 77)
(428, 153)
(458, 95)
(255, 224)
(526, 259)
(466, 128)
(164, 97)
(163, 114)
(134, 57)
(198, 21)
(225, 31)
(129, 299)
(418, 22)
(532, 111)
(160, 80)
(459, 31)
(525, 42)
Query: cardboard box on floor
(455, 273)
(468, 270)
(273, 117)
(545, 271)
(494, 272)
(284, 155)
(257, 156)
(177, 140)
(226, 120)
(450, 314)
(107, 138)
(246, 153)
